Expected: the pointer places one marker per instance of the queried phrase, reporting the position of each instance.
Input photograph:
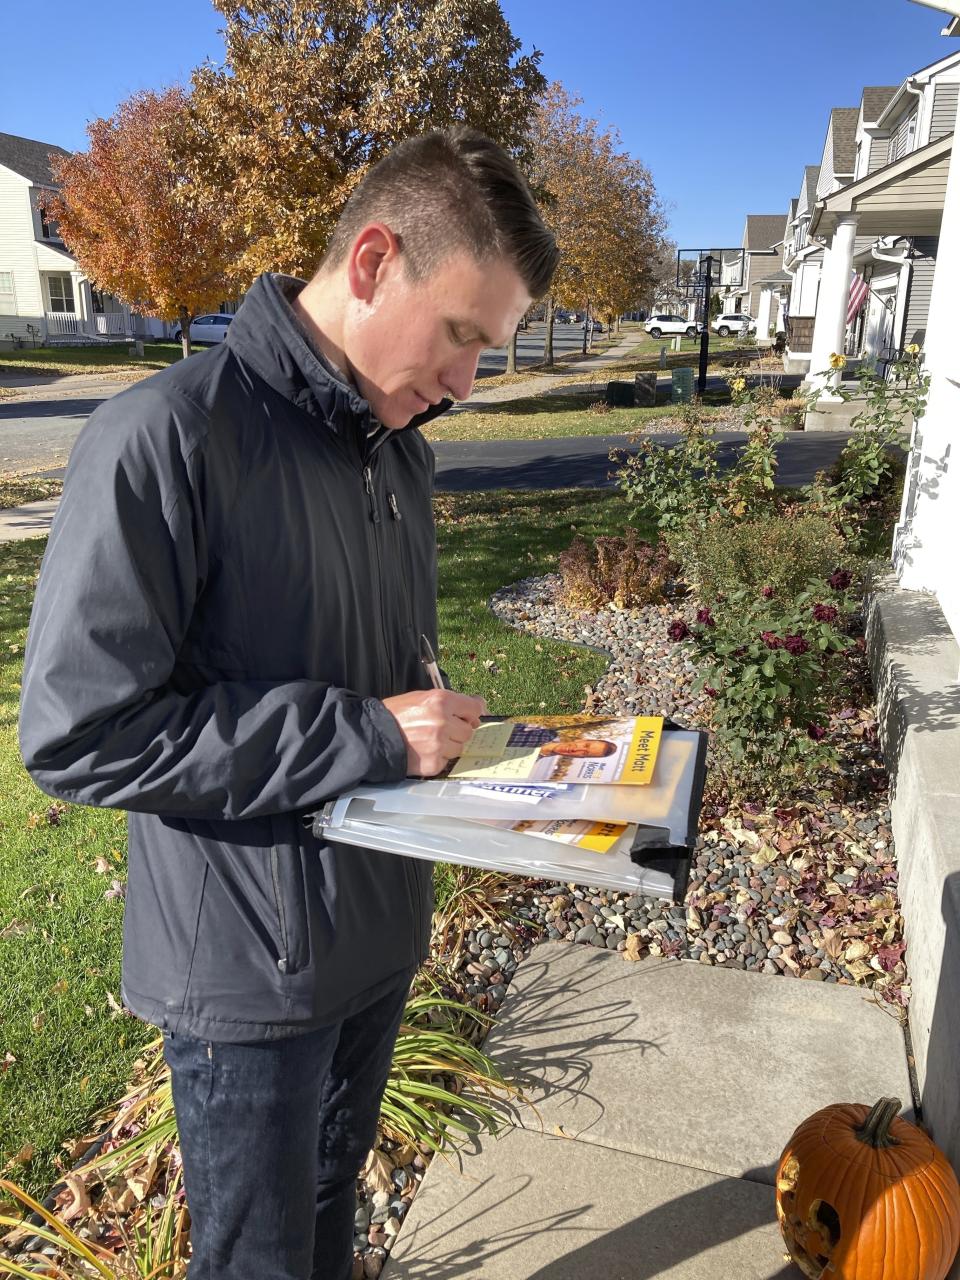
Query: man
(226, 633)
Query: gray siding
(879, 148)
(921, 283)
(944, 115)
(900, 142)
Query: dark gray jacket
(236, 576)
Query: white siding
(17, 255)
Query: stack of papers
(581, 799)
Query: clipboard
(441, 821)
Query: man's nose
(459, 376)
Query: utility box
(620, 395)
(645, 390)
(681, 388)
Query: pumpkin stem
(875, 1130)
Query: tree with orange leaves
(138, 227)
(312, 92)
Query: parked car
(657, 326)
(598, 327)
(212, 328)
(733, 322)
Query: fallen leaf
(38, 1020)
(633, 947)
(60, 987)
(101, 866)
(15, 929)
(377, 1172)
(116, 1008)
(73, 1201)
(856, 951)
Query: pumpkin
(864, 1195)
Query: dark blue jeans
(273, 1135)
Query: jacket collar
(267, 336)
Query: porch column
(84, 297)
(831, 322)
(763, 317)
(928, 533)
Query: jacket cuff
(389, 763)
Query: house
(887, 155)
(762, 236)
(45, 299)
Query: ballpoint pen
(429, 660)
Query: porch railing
(63, 322)
(111, 322)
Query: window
(6, 282)
(49, 229)
(61, 293)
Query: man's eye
(457, 336)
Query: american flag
(858, 296)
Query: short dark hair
(446, 190)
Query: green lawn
(559, 415)
(114, 357)
(63, 1050)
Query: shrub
(766, 551)
(622, 571)
(867, 467)
(678, 484)
(768, 666)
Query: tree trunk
(586, 325)
(512, 352)
(184, 317)
(548, 339)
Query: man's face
(578, 748)
(410, 344)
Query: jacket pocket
(289, 891)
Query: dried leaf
(73, 1201)
(377, 1171)
(633, 948)
(856, 951)
(101, 866)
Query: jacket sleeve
(101, 721)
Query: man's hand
(436, 725)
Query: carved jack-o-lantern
(864, 1195)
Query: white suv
(734, 322)
(656, 326)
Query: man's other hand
(436, 725)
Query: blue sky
(724, 100)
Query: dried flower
(678, 629)
(816, 732)
(706, 617)
(796, 645)
(766, 592)
(771, 639)
(709, 690)
(840, 579)
(825, 613)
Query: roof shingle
(875, 98)
(763, 230)
(29, 158)
(843, 125)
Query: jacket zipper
(284, 960)
(416, 896)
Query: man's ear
(375, 250)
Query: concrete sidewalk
(664, 1092)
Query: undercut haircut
(448, 190)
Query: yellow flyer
(599, 837)
(571, 749)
